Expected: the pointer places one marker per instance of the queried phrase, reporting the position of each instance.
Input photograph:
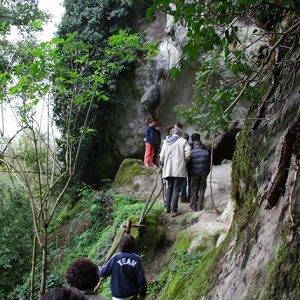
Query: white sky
(9, 124)
(55, 8)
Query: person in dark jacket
(199, 169)
(126, 271)
(150, 139)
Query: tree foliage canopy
(229, 72)
(106, 26)
(16, 236)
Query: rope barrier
(210, 177)
(143, 215)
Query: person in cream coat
(174, 156)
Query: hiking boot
(175, 214)
(167, 210)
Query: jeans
(183, 193)
(173, 189)
(198, 185)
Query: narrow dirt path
(172, 227)
(193, 221)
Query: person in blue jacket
(150, 139)
(198, 166)
(128, 279)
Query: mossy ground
(129, 168)
(146, 238)
(187, 275)
(101, 214)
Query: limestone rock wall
(148, 90)
(260, 260)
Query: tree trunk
(32, 279)
(44, 261)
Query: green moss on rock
(284, 272)
(188, 275)
(146, 238)
(128, 169)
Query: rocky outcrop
(259, 260)
(151, 98)
(148, 91)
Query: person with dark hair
(186, 136)
(127, 275)
(63, 294)
(199, 169)
(127, 243)
(178, 125)
(196, 137)
(83, 274)
(169, 131)
(150, 139)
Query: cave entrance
(225, 147)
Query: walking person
(199, 169)
(174, 155)
(150, 139)
(194, 137)
(127, 275)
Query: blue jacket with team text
(127, 275)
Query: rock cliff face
(259, 258)
(148, 90)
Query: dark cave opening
(225, 147)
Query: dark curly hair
(82, 274)
(63, 294)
